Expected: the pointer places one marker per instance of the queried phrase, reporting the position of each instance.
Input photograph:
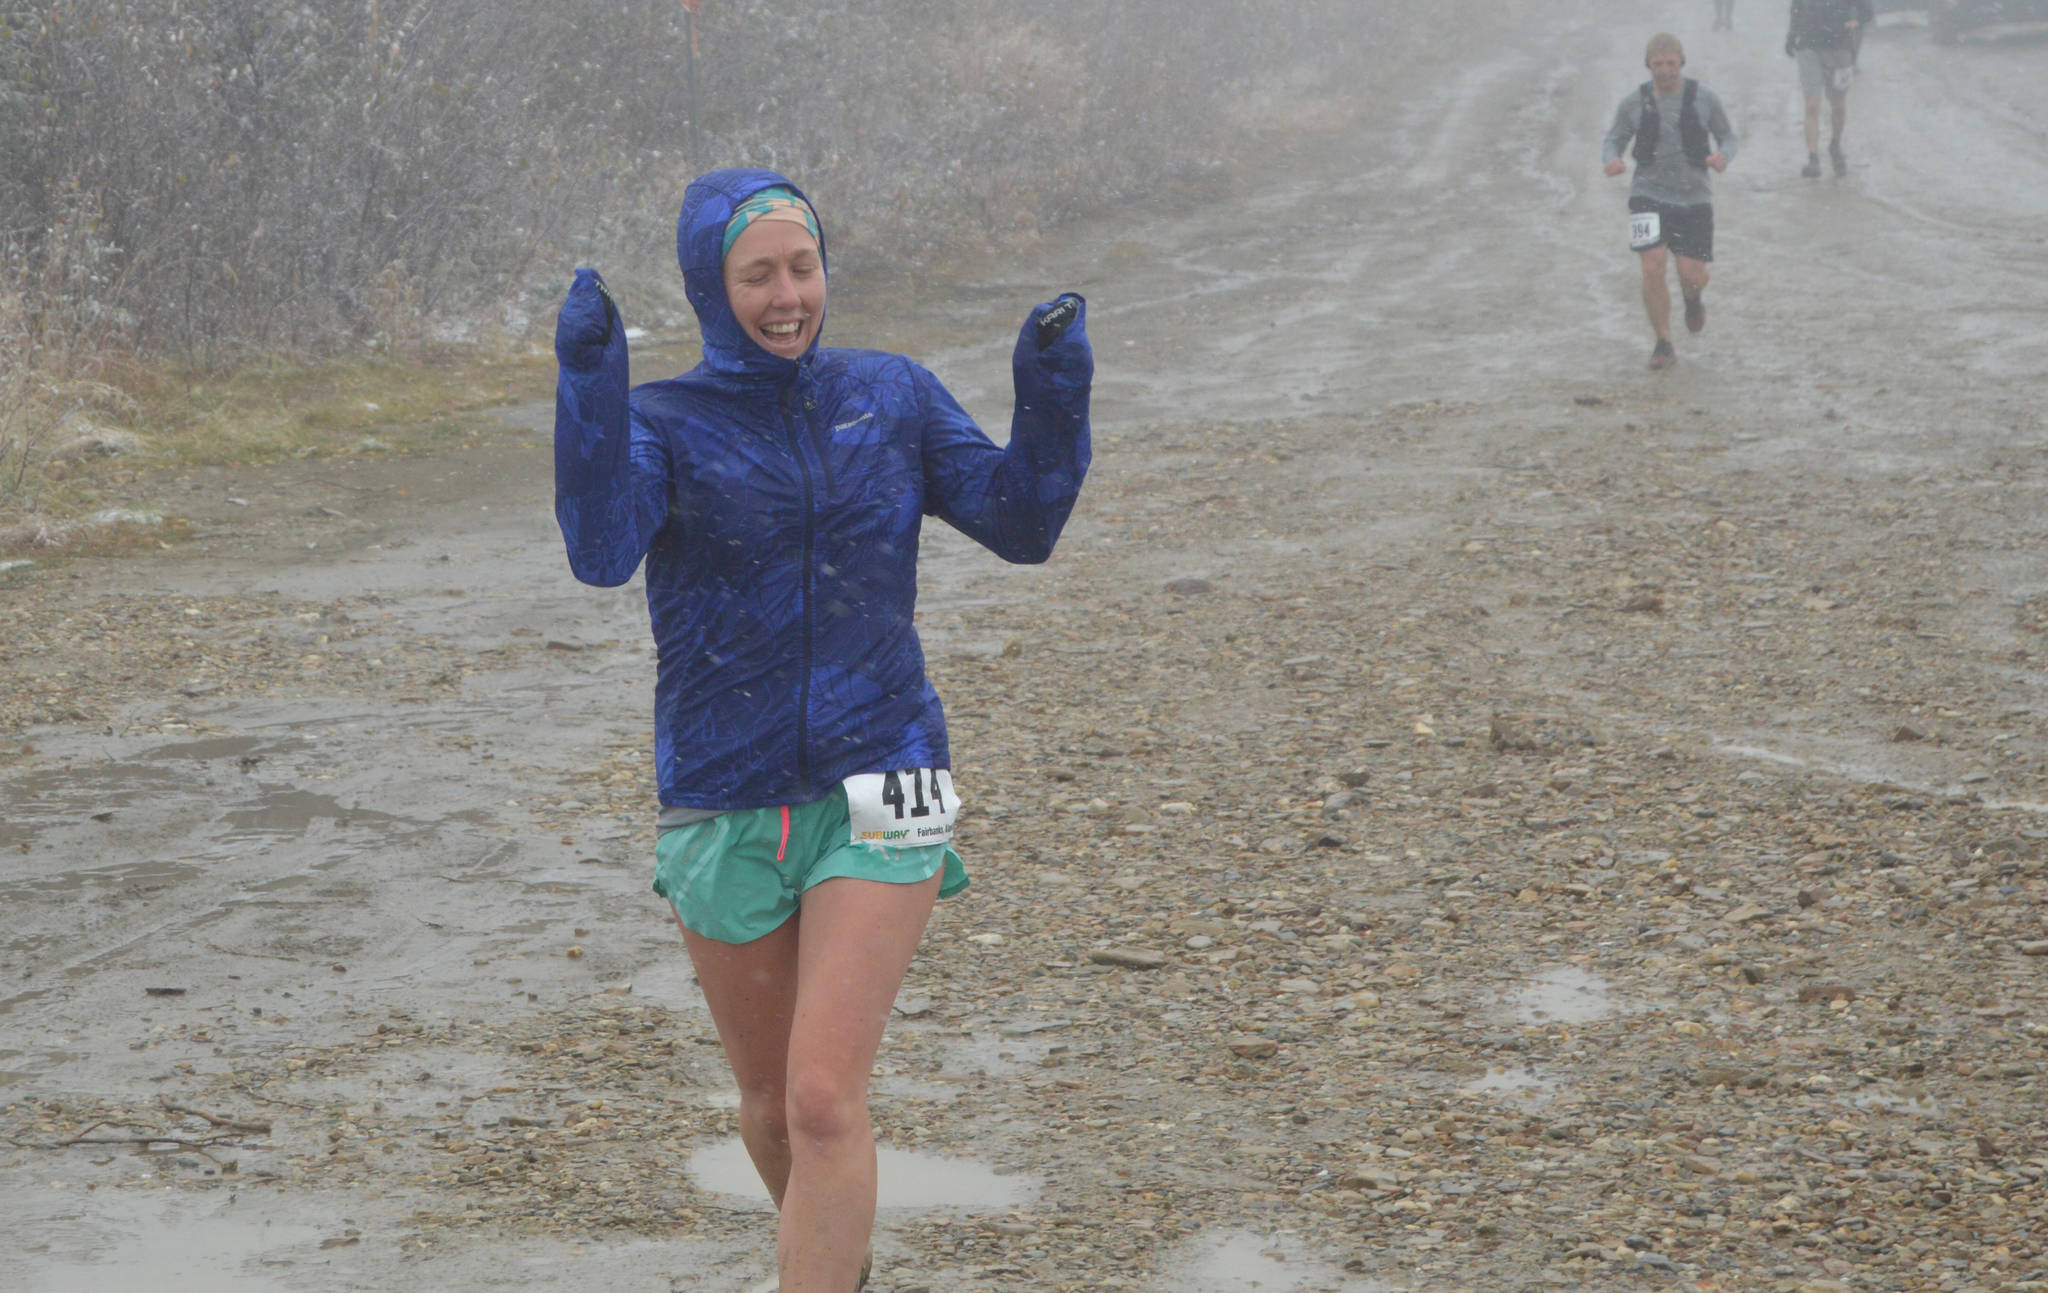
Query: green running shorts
(738, 876)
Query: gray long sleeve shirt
(1669, 177)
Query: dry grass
(48, 383)
(285, 409)
(63, 442)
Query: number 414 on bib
(906, 808)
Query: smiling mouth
(782, 331)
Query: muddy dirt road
(1460, 811)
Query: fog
(1460, 811)
(219, 176)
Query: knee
(767, 1111)
(824, 1107)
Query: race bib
(1842, 76)
(1645, 230)
(902, 809)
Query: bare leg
(1838, 105)
(855, 941)
(1657, 292)
(1812, 126)
(1692, 276)
(751, 990)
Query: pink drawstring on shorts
(783, 847)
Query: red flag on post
(690, 9)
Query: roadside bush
(262, 175)
(55, 328)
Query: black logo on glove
(1054, 321)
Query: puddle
(128, 878)
(63, 796)
(293, 812)
(11, 1073)
(1566, 995)
(1523, 1086)
(186, 773)
(7, 1004)
(2015, 805)
(122, 1242)
(525, 927)
(905, 1180)
(906, 1090)
(1240, 1261)
(1873, 774)
(669, 981)
(1918, 1103)
(885, 1090)
(228, 747)
(989, 1055)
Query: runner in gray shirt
(1825, 37)
(1671, 213)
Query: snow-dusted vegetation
(212, 177)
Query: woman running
(776, 492)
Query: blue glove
(587, 323)
(1053, 319)
(1054, 339)
(1055, 330)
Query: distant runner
(1724, 15)
(1671, 118)
(1825, 37)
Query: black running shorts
(1688, 230)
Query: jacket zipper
(791, 417)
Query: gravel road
(1460, 811)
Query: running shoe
(1839, 158)
(1664, 355)
(1695, 314)
(1812, 168)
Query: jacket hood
(708, 206)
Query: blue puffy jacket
(777, 503)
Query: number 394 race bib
(904, 809)
(1645, 230)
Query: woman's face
(775, 283)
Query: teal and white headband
(777, 203)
